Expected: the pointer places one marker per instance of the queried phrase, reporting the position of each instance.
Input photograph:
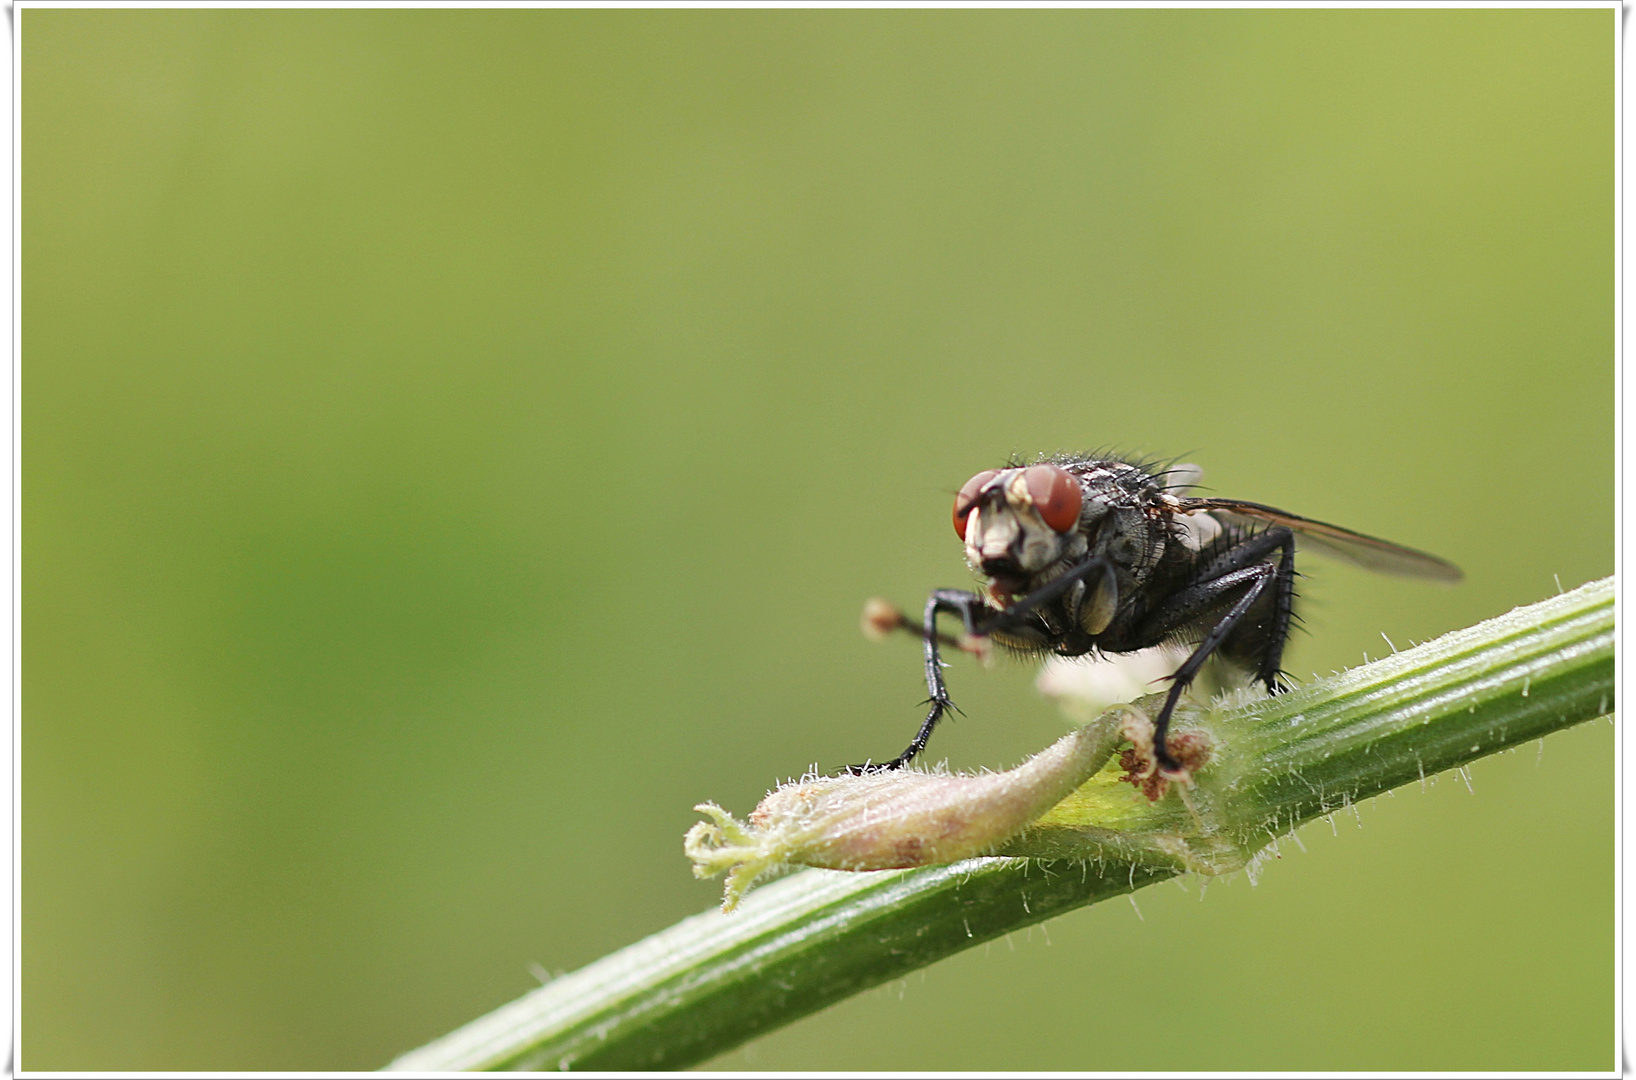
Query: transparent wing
(1368, 552)
(1182, 478)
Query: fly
(1082, 554)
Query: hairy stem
(713, 981)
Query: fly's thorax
(1133, 541)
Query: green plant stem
(713, 981)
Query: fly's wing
(1366, 551)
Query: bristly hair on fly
(1156, 466)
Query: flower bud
(890, 820)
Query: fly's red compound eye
(1056, 495)
(967, 498)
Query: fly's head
(1021, 526)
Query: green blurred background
(456, 442)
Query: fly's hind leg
(1240, 570)
(1264, 648)
(959, 602)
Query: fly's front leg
(1105, 587)
(966, 605)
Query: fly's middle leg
(1239, 571)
